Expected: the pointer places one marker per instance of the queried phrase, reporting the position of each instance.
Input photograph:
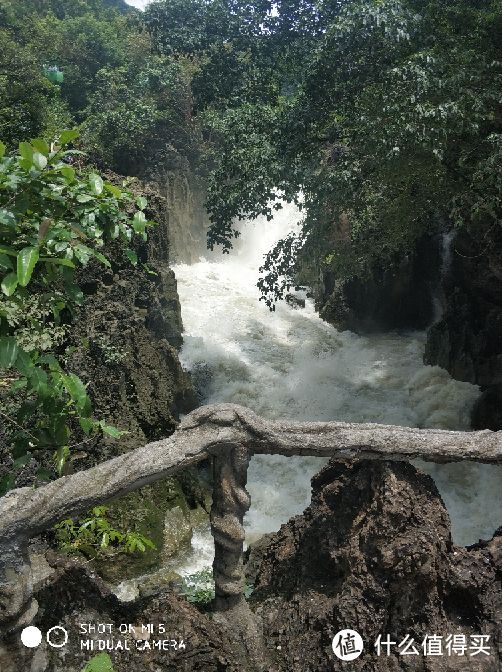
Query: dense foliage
(134, 106)
(94, 536)
(386, 115)
(54, 217)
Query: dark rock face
(467, 341)
(487, 412)
(127, 337)
(392, 300)
(373, 553)
(130, 327)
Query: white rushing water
(290, 364)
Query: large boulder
(373, 552)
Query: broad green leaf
(68, 173)
(139, 222)
(141, 202)
(87, 425)
(76, 389)
(38, 380)
(60, 457)
(21, 461)
(8, 250)
(83, 253)
(84, 198)
(58, 261)
(41, 146)
(26, 262)
(132, 256)
(96, 184)
(110, 430)
(59, 430)
(20, 384)
(75, 294)
(115, 191)
(26, 151)
(24, 363)
(8, 351)
(9, 284)
(102, 259)
(7, 218)
(68, 136)
(2, 149)
(39, 160)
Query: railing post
(230, 503)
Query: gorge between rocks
(291, 364)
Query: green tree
(390, 126)
(25, 94)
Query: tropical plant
(99, 663)
(95, 536)
(54, 218)
(198, 587)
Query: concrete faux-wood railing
(229, 434)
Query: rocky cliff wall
(451, 285)
(401, 298)
(126, 340)
(467, 340)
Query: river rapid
(290, 364)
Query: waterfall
(438, 293)
(290, 364)
(447, 239)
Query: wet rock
(177, 531)
(487, 412)
(467, 341)
(253, 557)
(398, 298)
(161, 513)
(294, 301)
(373, 553)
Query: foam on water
(290, 364)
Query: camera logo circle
(57, 637)
(31, 637)
(347, 644)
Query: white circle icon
(31, 637)
(347, 644)
(57, 644)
